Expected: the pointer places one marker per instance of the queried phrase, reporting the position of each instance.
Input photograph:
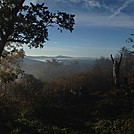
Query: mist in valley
(48, 68)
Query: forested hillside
(85, 103)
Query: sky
(101, 28)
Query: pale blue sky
(102, 27)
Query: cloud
(77, 4)
(96, 12)
(75, 1)
(92, 3)
(119, 10)
(86, 3)
(27, 2)
(122, 21)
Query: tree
(103, 64)
(130, 39)
(25, 24)
(10, 69)
(127, 62)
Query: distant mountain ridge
(63, 59)
(59, 56)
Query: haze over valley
(45, 68)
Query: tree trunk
(2, 45)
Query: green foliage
(119, 126)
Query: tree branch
(13, 40)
